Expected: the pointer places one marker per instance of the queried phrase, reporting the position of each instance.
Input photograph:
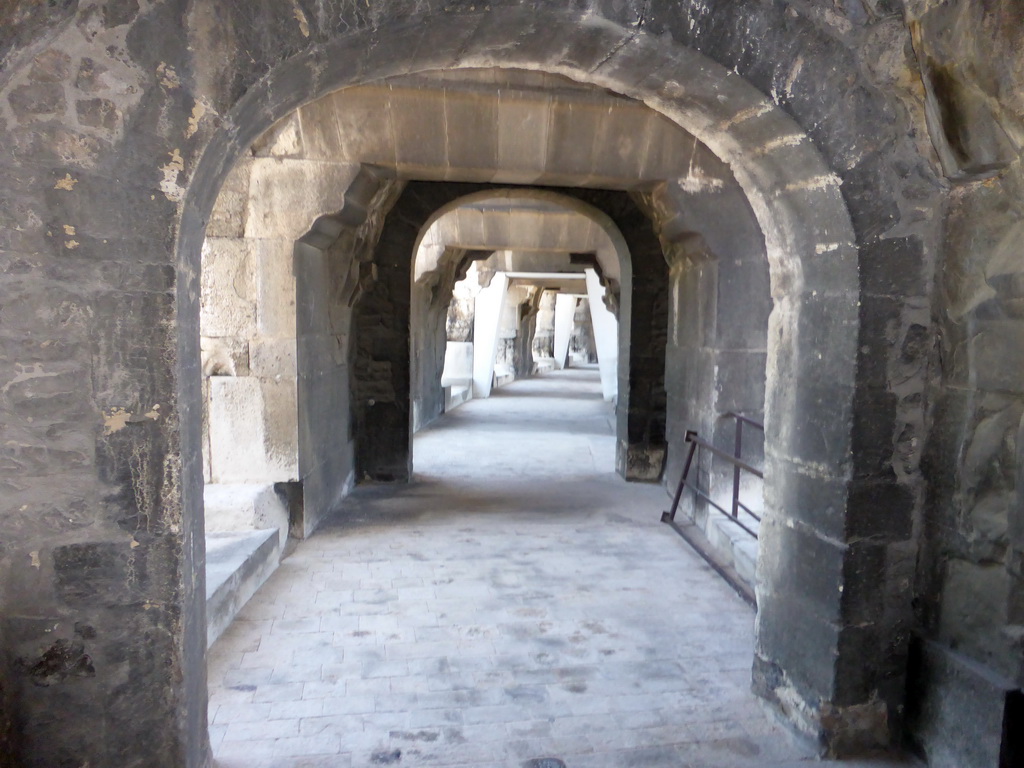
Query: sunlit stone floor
(518, 601)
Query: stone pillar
(565, 307)
(490, 303)
(606, 336)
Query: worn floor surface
(518, 601)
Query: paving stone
(487, 615)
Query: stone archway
(566, 224)
(811, 248)
(143, 483)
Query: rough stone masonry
(870, 148)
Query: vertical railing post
(736, 470)
(671, 514)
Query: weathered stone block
(874, 428)
(798, 561)
(51, 66)
(997, 350)
(224, 356)
(418, 120)
(283, 139)
(287, 196)
(98, 113)
(974, 604)
(956, 708)
(271, 358)
(227, 219)
(275, 286)
(894, 267)
(229, 288)
(38, 100)
(252, 437)
(880, 509)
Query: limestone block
(418, 118)
(237, 564)
(472, 142)
(271, 358)
(236, 430)
(523, 122)
(353, 126)
(284, 139)
(227, 219)
(287, 196)
(275, 317)
(245, 507)
(228, 299)
(224, 356)
(667, 156)
(572, 136)
(252, 427)
(624, 134)
(458, 363)
(280, 428)
(207, 471)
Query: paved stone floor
(518, 601)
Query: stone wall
(869, 144)
(970, 603)
(334, 271)
(716, 355)
(544, 335)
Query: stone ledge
(237, 564)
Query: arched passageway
(515, 601)
(113, 201)
(382, 413)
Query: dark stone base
(640, 463)
(857, 730)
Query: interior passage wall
(971, 573)
(248, 307)
(121, 121)
(431, 309)
(334, 270)
(720, 301)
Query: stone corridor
(517, 601)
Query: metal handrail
(744, 419)
(738, 466)
(693, 539)
(739, 463)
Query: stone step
(456, 395)
(734, 545)
(245, 507)
(237, 564)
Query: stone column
(490, 303)
(565, 307)
(606, 336)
